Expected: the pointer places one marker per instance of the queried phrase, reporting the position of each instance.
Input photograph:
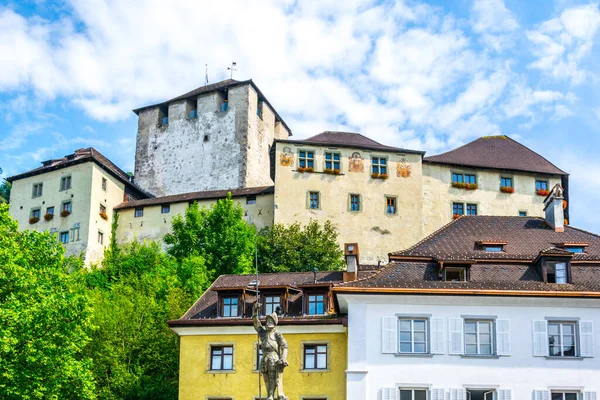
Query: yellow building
(218, 347)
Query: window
(65, 183)
(379, 165)
(455, 274)
(316, 304)
(102, 208)
(506, 182)
(556, 272)
(463, 178)
(35, 213)
(165, 209)
(193, 114)
(306, 159)
(332, 161)
(390, 205)
(564, 396)
(479, 338)
(100, 237)
(251, 199)
(104, 184)
(413, 335)
(163, 113)
(493, 248)
(230, 306)
(313, 200)
(221, 358)
(272, 304)
(576, 249)
(50, 211)
(64, 237)
(139, 212)
(315, 356)
(355, 202)
(471, 209)
(541, 185)
(37, 189)
(562, 339)
(458, 208)
(522, 213)
(413, 394)
(66, 206)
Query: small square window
(104, 181)
(37, 190)
(562, 339)
(272, 305)
(455, 274)
(165, 209)
(221, 358)
(493, 248)
(316, 304)
(332, 161)
(413, 335)
(139, 212)
(390, 205)
(35, 213)
(251, 199)
(522, 213)
(471, 209)
(479, 337)
(66, 207)
(230, 306)
(65, 183)
(314, 201)
(50, 211)
(379, 165)
(541, 185)
(506, 182)
(64, 237)
(355, 202)
(458, 208)
(100, 237)
(575, 249)
(315, 356)
(306, 159)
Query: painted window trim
(360, 205)
(308, 192)
(332, 161)
(315, 343)
(463, 173)
(387, 164)
(209, 347)
(385, 205)
(314, 158)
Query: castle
(228, 138)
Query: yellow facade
(197, 382)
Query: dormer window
(455, 274)
(574, 247)
(272, 304)
(556, 272)
(493, 248)
(316, 304)
(230, 306)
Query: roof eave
(389, 150)
(466, 165)
(481, 292)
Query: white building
(485, 308)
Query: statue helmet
(274, 317)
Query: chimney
(352, 261)
(553, 207)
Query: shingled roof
(349, 140)
(496, 152)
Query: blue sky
(428, 75)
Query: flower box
(65, 213)
(466, 186)
(103, 215)
(542, 192)
(564, 204)
(456, 216)
(305, 169)
(379, 176)
(33, 220)
(48, 217)
(507, 189)
(332, 171)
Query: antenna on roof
(232, 68)
(206, 76)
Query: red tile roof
(496, 152)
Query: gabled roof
(222, 85)
(525, 239)
(349, 140)
(186, 197)
(78, 157)
(496, 152)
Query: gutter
(479, 292)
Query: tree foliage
(45, 319)
(5, 188)
(299, 248)
(218, 234)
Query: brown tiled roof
(496, 152)
(185, 197)
(349, 140)
(79, 156)
(222, 85)
(525, 238)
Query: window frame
(212, 349)
(471, 205)
(492, 334)
(304, 161)
(463, 177)
(316, 302)
(565, 392)
(523, 213)
(251, 199)
(268, 302)
(395, 205)
(104, 183)
(138, 212)
(64, 206)
(545, 181)
(412, 336)
(230, 306)
(465, 273)
(48, 209)
(454, 206)
(504, 178)
(376, 167)
(37, 190)
(166, 207)
(315, 344)
(351, 202)
(554, 262)
(412, 390)
(61, 235)
(63, 183)
(332, 161)
(34, 211)
(576, 347)
(100, 237)
(309, 200)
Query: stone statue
(274, 353)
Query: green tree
(295, 248)
(45, 319)
(5, 188)
(218, 234)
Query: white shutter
(457, 394)
(504, 394)
(437, 336)
(503, 344)
(438, 394)
(540, 339)
(589, 396)
(389, 335)
(586, 338)
(456, 338)
(541, 395)
(389, 393)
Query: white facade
(524, 371)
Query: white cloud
(494, 22)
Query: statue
(274, 353)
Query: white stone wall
(369, 370)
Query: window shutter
(540, 339)
(389, 393)
(504, 394)
(457, 394)
(541, 394)
(456, 337)
(389, 335)
(438, 394)
(586, 337)
(503, 344)
(589, 396)
(437, 336)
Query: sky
(426, 75)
